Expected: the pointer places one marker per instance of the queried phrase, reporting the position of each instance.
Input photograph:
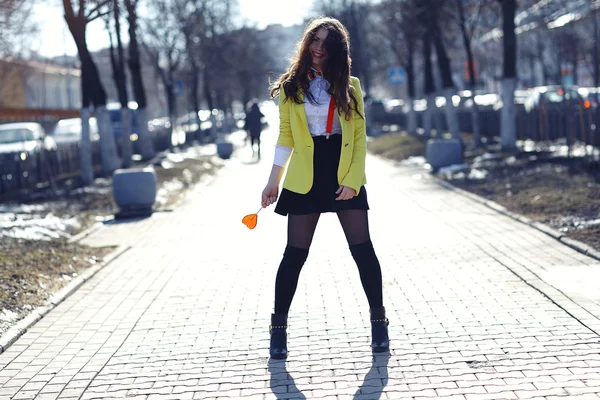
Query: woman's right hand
(269, 194)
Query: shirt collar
(313, 74)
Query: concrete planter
(134, 191)
(224, 149)
(443, 152)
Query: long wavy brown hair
(336, 68)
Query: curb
(83, 234)
(560, 236)
(14, 333)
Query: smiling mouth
(318, 54)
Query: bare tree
(192, 18)
(93, 93)
(508, 123)
(16, 29)
(596, 60)
(164, 43)
(135, 69)
(117, 59)
(203, 23)
(568, 44)
(428, 83)
(16, 26)
(250, 60)
(467, 28)
(399, 31)
(431, 11)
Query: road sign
(397, 75)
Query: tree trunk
(207, 90)
(93, 92)
(123, 141)
(146, 142)
(540, 55)
(595, 51)
(508, 115)
(428, 85)
(126, 130)
(447, 84)
(121, 82)
(361, 67)
(169, 91)
(509, 122)
(195, 78)
(532, 71)
(410, 80)
(471, 66)
(85, 152)
(575, 58)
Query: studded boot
(278, 331)
(380, 341)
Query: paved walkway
(184, 312)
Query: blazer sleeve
(285, 130)
(355, 176)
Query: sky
(55, 38)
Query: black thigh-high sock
(287, 277)
(370, 272)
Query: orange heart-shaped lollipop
(250, 220)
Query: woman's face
(317, 48)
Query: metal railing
(573, 124)
(20, 171)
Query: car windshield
(15, 135)
(71, 128)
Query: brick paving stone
(183, 313)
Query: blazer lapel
(302, 111)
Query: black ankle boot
(379, 330)
(278, 347)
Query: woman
(322, 127)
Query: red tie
(330, 116)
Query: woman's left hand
(345, 193)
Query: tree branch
(96, 9)
(98, 15)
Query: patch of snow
(416, 160)
(8, 316)
(478, 174)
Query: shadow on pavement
(118, 221)
(282, 384)
(376, 379)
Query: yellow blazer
(294, 133)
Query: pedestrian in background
(253, 126)
(322, 127)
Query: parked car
(67, 131)
(189, 125)
(24, 139)
(552, 96)
(590, 96)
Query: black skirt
(321, 197)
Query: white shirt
(316, 117)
